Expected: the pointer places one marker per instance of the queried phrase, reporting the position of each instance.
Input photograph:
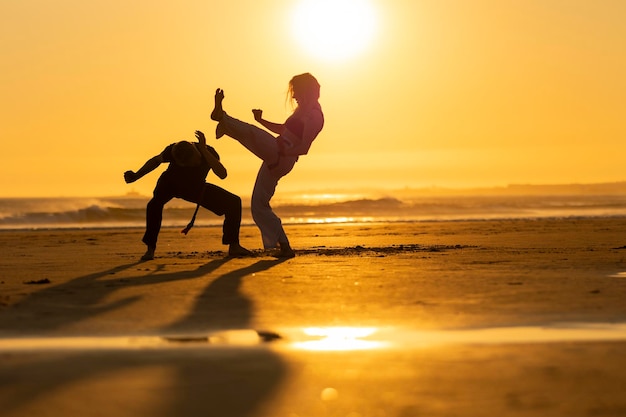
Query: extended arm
(150, 165)
(272, 127)
(213, 162)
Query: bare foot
(218, 111)
(285, 251)
(149, 255)
(237, 251)
(285, 254)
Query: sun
(334, 29)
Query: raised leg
(218, 110)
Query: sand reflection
(339, 339)
(334, 338)
(369, 338)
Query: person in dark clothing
(189, 164)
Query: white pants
(274, 167)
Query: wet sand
(451, 318)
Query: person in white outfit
(279, 154)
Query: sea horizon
(358, 206)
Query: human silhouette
(279, 154)
(189, 164)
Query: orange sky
(449, 93)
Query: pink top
(300, 131)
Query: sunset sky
(446, 93)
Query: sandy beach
(473, 318)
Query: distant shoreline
(356, 222)
(515, 189)
(112, 212)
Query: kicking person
(279, 154)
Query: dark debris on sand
(38, 282)
(357, 250)
(378, 250)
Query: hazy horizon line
(596, 188)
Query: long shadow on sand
(56, 307)
(221, 305)
(178, 380)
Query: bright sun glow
(339, 339)
(334, 29)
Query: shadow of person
(172, 380)
(222, 305)
(54, 307)
(232, 382)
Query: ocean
(129, 211)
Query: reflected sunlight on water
(359, 338)
(556, 333)
(316, 339)
(339, 338)
(329, 220)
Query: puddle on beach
(334, 338)
(329, 339)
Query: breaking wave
(36, 213)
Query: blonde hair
(306, 84)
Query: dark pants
(214, 198)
